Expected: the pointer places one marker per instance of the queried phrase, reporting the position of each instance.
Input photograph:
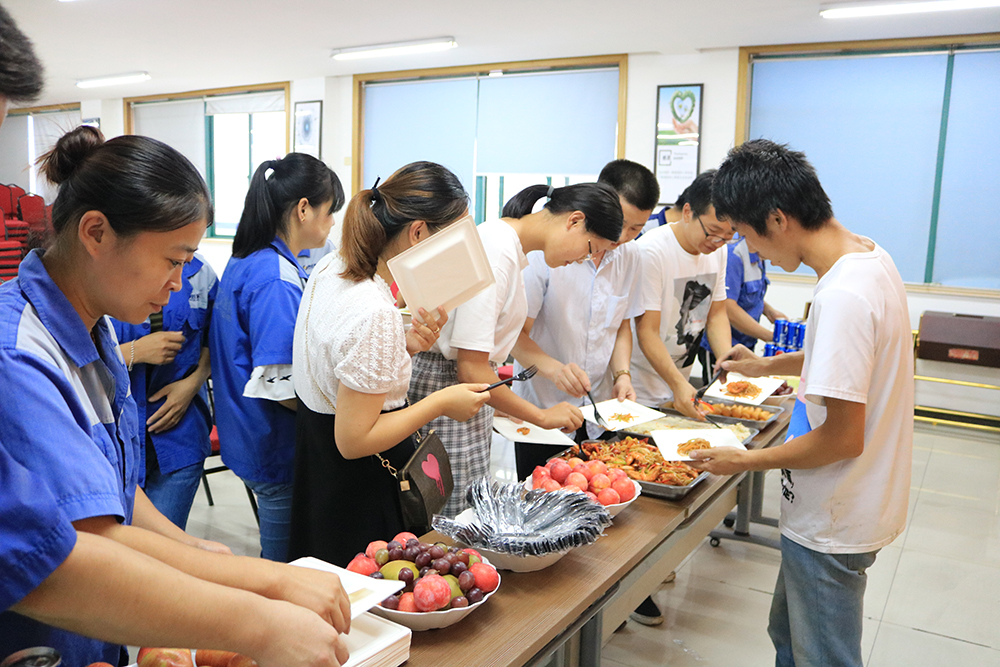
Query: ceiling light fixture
(115, 80)
(843, 10)
(395, 48)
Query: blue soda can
(793, 331)
(780, 332)
(800, 335)
(769, 350)
(788, 348)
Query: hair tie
(376, 195)
(549, 193)
(272, 165)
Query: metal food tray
(775, 410)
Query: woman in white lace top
(351, 369)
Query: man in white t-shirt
(845, 466)
(683, 295)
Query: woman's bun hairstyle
(69, 153)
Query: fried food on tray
(739, 411)
(742, 389)
(640, 460)
(673, 423)
(524, 430)
(623, 417)
(693, 444)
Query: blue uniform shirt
(68, 418)
(746, 283)
(189, 312)
(253, 324)
(35, 538)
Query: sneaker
(647, 613)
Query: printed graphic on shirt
(694, 294)
(798, 425)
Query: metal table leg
(749, 504)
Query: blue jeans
(173, 493)
(816, 610)
(274, 506)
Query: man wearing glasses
(684, 295)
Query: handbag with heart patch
(425, 482)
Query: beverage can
(769, 350)
(800, 336)
(780, 332)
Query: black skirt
(340, 505)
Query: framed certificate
(678, 138)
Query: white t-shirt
(682, 287)
(491, 320)
(356, 337)
(577, 311)
(858, 348)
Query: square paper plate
(768, 385)
(363, 591)
(535, 434)
(446, 270)
(640, 413)
(668, 441)
(375, 641)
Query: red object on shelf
(505, 372)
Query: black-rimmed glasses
(716, 240)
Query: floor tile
(895, 646)
(970, 481)
(880, 578)
(230, 520)
(939, 526)
(707, 623)
(737, 563)
(945, 596)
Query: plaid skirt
(467, 443)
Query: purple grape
(460, 601)
(466, 581)
(436, 552)
(423, 559)
(411, 553)
(395, 553)
(452, 558)
(377, 575)
(475, 595)
(413, 542)
(393, 545)
(391, 602)
(441, 565)
(452, 550)
(405, 575)
(425, 570)
(463, 556)
(458, 568)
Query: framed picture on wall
(678, 138)
(308, 123)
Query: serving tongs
(701, 393)
(526, 374)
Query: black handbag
(425, 482)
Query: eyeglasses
(717, 240)
(590, 252)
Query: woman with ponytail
(128, 217)
(352, 369)
(575, 222)
(289, 207)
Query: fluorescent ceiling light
(843, 10)
(395, 48)
(115, 80)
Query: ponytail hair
(272, 197)
(598, 202)
(139, 184)
(419, 191)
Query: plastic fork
(597, 415)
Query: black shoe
(647, 613)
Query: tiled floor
(933, 595)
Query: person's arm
(178, 396)
(773, 314)
(621, 358)
(568, 378)
(742, 322)
(741, 360)
(647, 330)
(368, 431)
(319, 591)
(720, 336)
(110, 592)
(840, 437)
(474, 366)
(145, 515)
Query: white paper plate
(535, 434)
(668, 441)
(768, 385)
(374, 590)
(641, 413)
(371, 635)
(446, 270)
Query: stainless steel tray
(775, 410)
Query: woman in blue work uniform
(289, 208)
(168, 362)
(130, 212)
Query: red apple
(615, 474)
(432, 592)
(407, 603)
(597, 467)
(591, 496)
(167, 657)
(584, 469)
(560, 470)
(403, 537)
(599, 482)
(625, 489)
(578, 479)
(362, 565)
(212, 658)
(608, 497)
(486, 576)
(574, 462)
(551, 485)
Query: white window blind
(45, 130)
(14, 163)
(179, 123)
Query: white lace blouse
(355, 337)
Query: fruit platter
(521, 530)
(610, 487)
(442, 584)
